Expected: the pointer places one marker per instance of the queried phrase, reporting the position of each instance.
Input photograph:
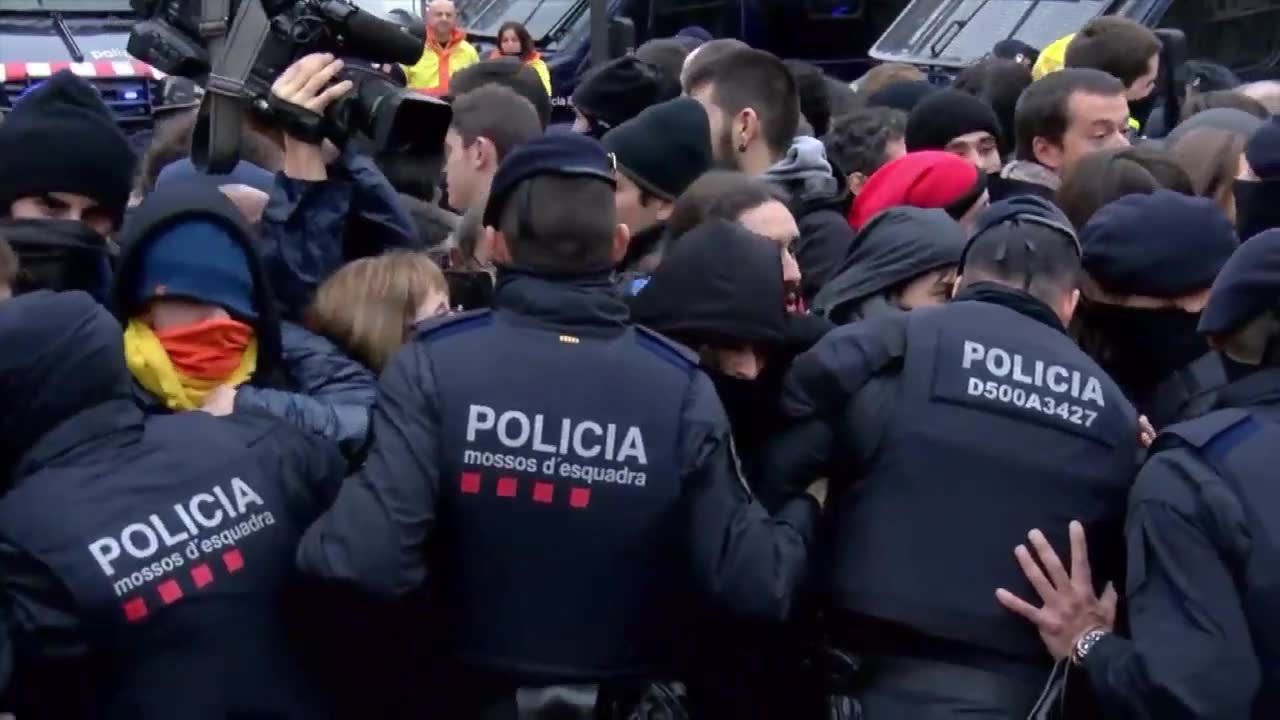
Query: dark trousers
(899, 688)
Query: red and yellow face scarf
(181, 365)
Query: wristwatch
(1086, 643)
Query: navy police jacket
(572, 479)
(1203, 585)
(146, 563)
(965, 426)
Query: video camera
(237, 48)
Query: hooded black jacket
(723, 284)
(819, 201)
(78, 457)
(182, 202)
(894, 247)
(300, 377)
(720, 283)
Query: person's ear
(746, 126)
(665, 209)
(621, 239)
(856, 181)
(501, 252)
(1068, 308)
(1046, 153)
(483, 154)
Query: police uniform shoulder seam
(666, 348)
(460, 322)
(1201, 431)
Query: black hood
(63, 355)
(719, 282)
(180, 202)
(895, 246)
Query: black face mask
(1140, 346)
(1257, 206)
(59, 255)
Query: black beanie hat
(61, 138)
(664, 148)
(946, 115)
(1161, 245)
(618, 90)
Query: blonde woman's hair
(368, 306)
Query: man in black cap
(660, 152)
(560, 466)
(958, 123)
(67, 175)
(1203, 539)
(616, 92)
(1149, 261)
(960, 426)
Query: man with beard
(956, 426)
(753, 204)
(958, 123)
(732, 314)
(1149, 261)
(754, 108)
(66, 180)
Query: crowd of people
(753, 394)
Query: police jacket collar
(584, 303)
(1261, 387)
(109, 425)
(1012, 298)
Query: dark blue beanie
(1161, 245)
(198, 260)
(1248, 285)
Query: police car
(41, 37)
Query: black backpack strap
(1190, 391)
(1217, 440)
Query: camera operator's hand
(306, 84)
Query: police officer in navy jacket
(956, 426)
(571, 476)
(145, 563)
(1203, 538)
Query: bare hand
(250, 201)
(1071, 608)
(220, 401)
(1146, 431)
(306, 83)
